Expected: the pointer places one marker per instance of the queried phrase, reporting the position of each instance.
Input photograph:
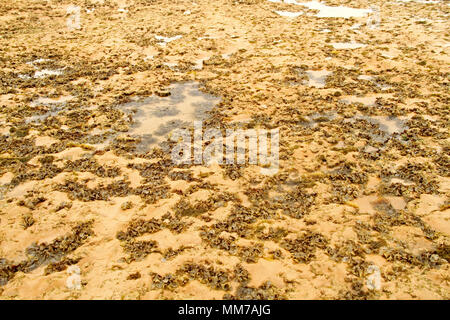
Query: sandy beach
(92, 205)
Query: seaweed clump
(303, 248)
(266, 291)
(210, 276)
(138, 227)
(48, 253)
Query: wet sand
(359, 208)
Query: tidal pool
(154, 118)
(325, 11)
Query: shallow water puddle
(47, 72)
(55, 104)
(313, 120)
(329, 11)
(198, 63)
(163, 41)
(41, 117)
(155, 117)
(372, 79)
(347, 45)
(318, 78)
(43, 72)
(289, 14)
(420, 1)
(365, 77)
(50, 101)
(335, 12)
(389, 125)
(37, 61)
(171, 65)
